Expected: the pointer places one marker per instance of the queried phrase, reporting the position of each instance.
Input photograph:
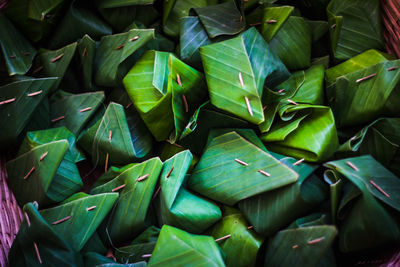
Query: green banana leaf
(204, 119)
(86, 52)
(78, 21)
(40, 118)
(192, 37)
(37, 138)
(115, 55)
(17, 51)
(178, 207)
(292, 43)
(318, 29)
(142, 245)
(136, 264)
(75, 110)
(81, 221)
(113, 135)
(296, 247)
(165, 91)
(369, 209)
(313, 219)
(279, 14)
(54, 63)
(273, 210)
(53, 250)
(364, 60)
(364, 95)
(35, 18)
(355, 26)
(44, 169)
(16, 114)
(242, 246)
(179, 248)
(127, 218)
(222, 173)
(311, 135)
(175, 10)
(221, 19)
(380, 139)
(243, 64)
(118, 3)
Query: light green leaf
(279, 14)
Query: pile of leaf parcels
(199, 132)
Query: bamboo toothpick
(109, 135)
(28, 222)
(62, 220)
(354, 167)
(146, 255)
(298, 162)
(134, 38)
(7, 101)
(57, 58)
(379, 189)
(58, 119)
(13, 56)
(291, 101)
(250, 227)
(241, 162)
(185, 103)
(37, 252)
(141, 178)
(271, 21)
(120, 46)
(43, 155)
(127, 106)
(255, 24)
(106, 165)
(91, 208)
(29, 173)
(178, 79)
(85, 109)
(222, 238)
(366, 78)
(35, 93)
(170, 171)
(118, 188)
(392, 68)
(156, 193)
(241, 80)
(84, 52)
(249, 109)
(295, 246)
(315, 241)
(264, 173)
(37, 70)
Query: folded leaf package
(232, 169)
(112, 138)
(176, 206)
(368, 209)
(236, 71)
(355, 26)
(135, 186)
(178, 248)
(165, 91)
(18, 102)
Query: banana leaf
(355, 26)
(141, 245)
(279, 14)
(221, 19)
(112, 138)
(44, 169)
(192, 37)
(304, 246)
(318, 29)
(222, 173)
(292, 43)
(127, 218)
(178, 207)
(370, 205)
(78, 20)
(86, 52)
(364, 60)
(119, 3)
(37, 138)
(364, 95)
(179, 248)
(204, 119)
(82, 221)
(313, 219)
(310, 135)
(96, 259)
(242, 246)
(243, 64)
(35, 18)
(53, 249)
(136, 264)
(173, 90)
(18, 107)
(380, 139)
(54, 63)
(270, 211)
(115, 55)
(18, 52)
(175, 10)
(40, 118)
